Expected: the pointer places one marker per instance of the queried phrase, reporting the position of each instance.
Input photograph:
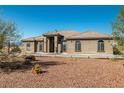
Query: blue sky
(35, 20)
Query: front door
(51, 44)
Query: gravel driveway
(68, 73)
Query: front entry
(51, 44)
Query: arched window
(77, 46)
(100, 45)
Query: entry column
(55, 44)
(48, 45)
(45, 43)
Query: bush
(4, 57)
(116, 51)
(30, 58)
(16, 50)
(36, 69)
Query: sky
(34, 20)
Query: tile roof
(65, 33)
(89, 35)
(38, 38)
(71, 34)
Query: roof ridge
(83, 32)
(87, 34)
(63, 30)
(102, 33)
(96, 32)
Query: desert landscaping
(67, 73)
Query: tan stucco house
(69, 42)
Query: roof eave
(89, 38)
(27, 40)
(31, 40)
(48, 35)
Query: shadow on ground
(8, 67)
(50, 63)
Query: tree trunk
(8, 47)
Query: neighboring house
(70, 42)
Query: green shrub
(16, 50)
(36, 69)
(116, 51)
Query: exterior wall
(38, 46)
(25, 51)
(108, 46)
(59, 48)
(89, 47)
(70, 46)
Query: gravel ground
(68, 73)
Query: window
(78, 46)
(28, 46)
(101, 46)
(41, 46)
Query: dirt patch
(68, 72)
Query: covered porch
(53, 43)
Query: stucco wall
(38, 46)
(108, 46)
(89, 47)
(31, 50)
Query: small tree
(118, 32)
(15, 49)
(2, 34)
(9, 35)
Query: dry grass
(68, 72)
